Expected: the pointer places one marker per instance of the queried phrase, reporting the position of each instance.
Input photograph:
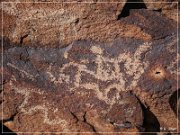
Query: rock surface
(90, 67)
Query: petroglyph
(107, 69)
(21, 71)
(45, 107)
(89, 67)
(97, 71)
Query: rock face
(50, 24)
(89, 67)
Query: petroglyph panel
(101, 73)
(89, 67)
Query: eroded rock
(112, 74)
(89, 76)
(48, 24)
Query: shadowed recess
(131, 4)
(150, 123)
(6, 130)
(174, 100)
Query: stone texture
(51, 24)
(88, 67)
(61, 84)
(161, 4)
(168, 8)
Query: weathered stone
(166, 7)
(48, 24)
(58, 23)
(88, 67)
(52, 79)
(57, 74)
(161, 4)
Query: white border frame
(92, 132)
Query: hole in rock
(157, 72)
(131, 4)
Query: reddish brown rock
(60, 86)
(78, 67)
(48, 24)
(161, 4)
